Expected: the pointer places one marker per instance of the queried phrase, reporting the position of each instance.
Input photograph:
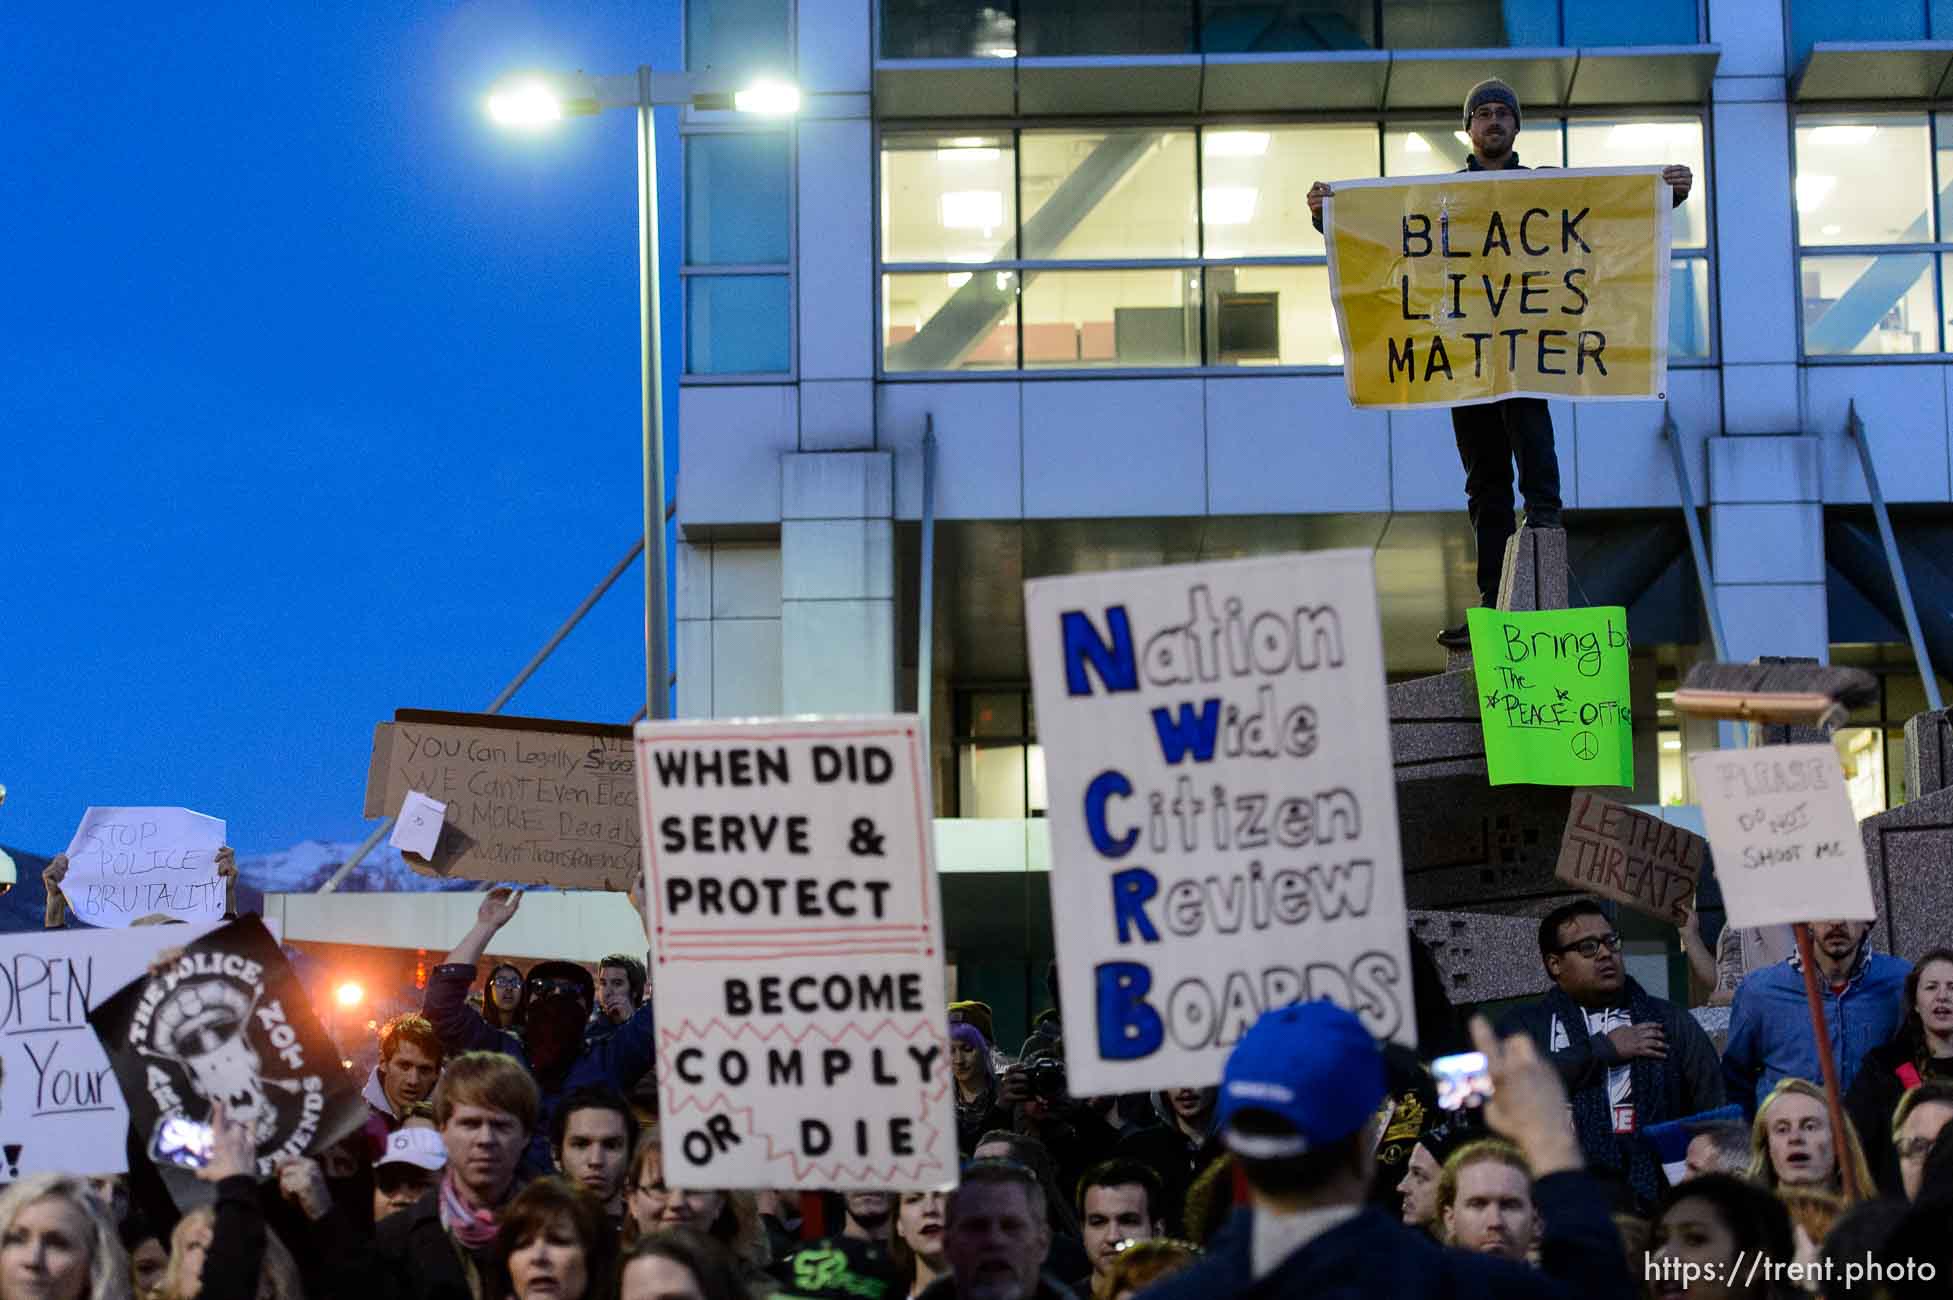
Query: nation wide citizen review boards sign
(796, 931)
(1478, 286)
(1222, 806)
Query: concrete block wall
(728, 610)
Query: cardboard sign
(1786, 841)
(1223, 809)
(128, 863)
(417, 829)
(228, 1020)
(791, 896)
(61, 1109)
(1478, 286)
(1553, 695)
(1630, 856)
(528, 801)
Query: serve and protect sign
(796, 927)
(1478, 286)
(1222, 805)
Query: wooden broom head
(1794, 694)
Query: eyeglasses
(1590, 946)
(508, 981)
(1492, 113)
(1916, 1148)
(548, 988)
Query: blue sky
(318, 395)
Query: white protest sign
(418, 827)
(796, 928)
(1223, 809)
(60, 1108)
(128, 863)
(1786, 842)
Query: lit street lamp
(532, 103)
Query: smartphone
(183, 1142)
(1464, 1080)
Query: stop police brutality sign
(791, 897)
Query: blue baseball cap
(1311, 1065)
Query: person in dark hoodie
(1178, 1147)
(1628, 1059)
(1299, 1095)
(557, 998)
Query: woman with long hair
(1791, 1141)
(190, 1243)
(555, 1243)
(224, 1251)
(729, 1218)
(1920, 1052)
(919, 1226)
(679, 1262)
(57, 1244)
(970, 1066)
(503, 994)
(1708, 1224)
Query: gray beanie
(1491, 91)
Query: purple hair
(970, 1036)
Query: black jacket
(1874, 1096)
(237, 1236)
(413, 1258)
(1695, 1082)
(1049, 1288)
(1373, 1256)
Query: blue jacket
(617, 1060)
(1374, 1256)
(1770, 1025)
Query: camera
(1044, 1077)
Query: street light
(538, 102)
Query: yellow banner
(1480, 286)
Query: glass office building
(1069, 239)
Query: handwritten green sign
(1553, 696)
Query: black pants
(1490, 439)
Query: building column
(728, 650)
(1766, 529)
(837, 542)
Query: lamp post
(538, 102)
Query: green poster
(1553, 695)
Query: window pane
(1124, 194)
(1257, 27)
(948, 29)
(1111, 318)
(1093, 27)
(1271, 316)
(1944, 160)
(736, 324)
(1649, 141)
(991, 780)
(1869, 305)
(1470, 24)
(948, 198)
(996, 713)
(1430, 149)
(1640, 22)
(1255, 183)
(1863, 180)
(965, 320)
(1827, 20)
(735, 199)
(742, 37)
(1688, 308)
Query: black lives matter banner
(791, 896)
(227, 1020)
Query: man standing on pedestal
(1493, 436)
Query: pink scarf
(474, 1229)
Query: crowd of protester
(512, 1152)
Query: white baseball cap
(415, 1146)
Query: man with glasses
(1628, 1059)
(1493, 436)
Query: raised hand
(498, 907)
(234, 1149)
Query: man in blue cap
(1298, 1100)
(1494, 436)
